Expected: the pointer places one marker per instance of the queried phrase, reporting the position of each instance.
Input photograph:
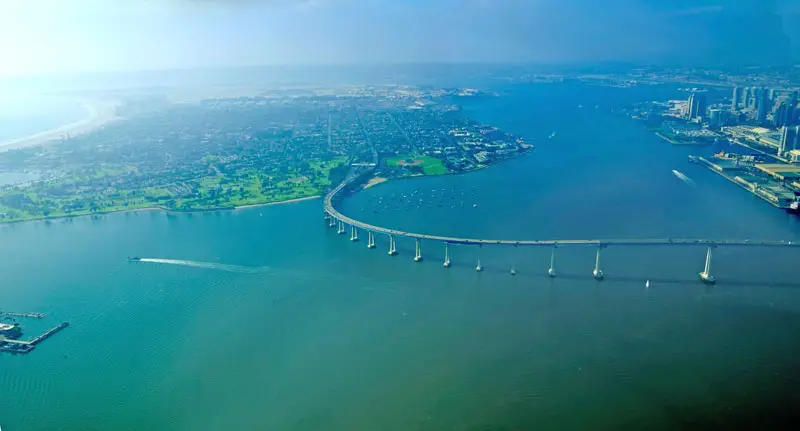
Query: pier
(336, 218)
(769, 194)
(20, 346)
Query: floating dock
(20, 346)
(29, 315)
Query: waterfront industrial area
(760, 123)
(11, 332)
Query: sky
(44, 37)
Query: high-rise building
(790, 140)
(696, 106)
(792, 109)
(786, 111)
(736, 97)
(762, 106)
(781, 116)
(714, 118)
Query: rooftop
(780, 171)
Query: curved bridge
(337, 219)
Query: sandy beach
(290, 201)
(375, 181)
(100, 113)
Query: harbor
(770, 182)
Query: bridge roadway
(333, 212)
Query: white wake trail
(681, 176)
(209, 265)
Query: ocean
(23, 116)
(264, 318)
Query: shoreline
(290, 201)
(374, 181)
(164, 210)
(100, 114)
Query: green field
(430, 165)
(62, 197)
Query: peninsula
(234, 152)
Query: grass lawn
(430, 165)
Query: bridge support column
(325, 215)
(706, 274)
(392, 249)
(552, 271)
(370, 239)
(598, 273)
(331, 221)
(353, 233)
(340, 230)
(418, 255)
(446, 263)
(479, 268)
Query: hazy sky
(55, 36)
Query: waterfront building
(737, 96)
(715, 118)
(10, 331)
(790, 140)
(745, 96)
(696, 106)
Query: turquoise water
(23, 116)
(265, 319)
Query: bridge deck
(329, 208)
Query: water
(21, 116)
(266, 319)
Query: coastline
(100, 114)
(164, 210)
(375, 181)
(290, 201)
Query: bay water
(264, 318)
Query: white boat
(647, 284)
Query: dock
(28, 315)
(20, 346)
(766, 191)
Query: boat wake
(681, 176)
(209, 265)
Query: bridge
(338, 220)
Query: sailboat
(647, 284)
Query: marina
(20, 346)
